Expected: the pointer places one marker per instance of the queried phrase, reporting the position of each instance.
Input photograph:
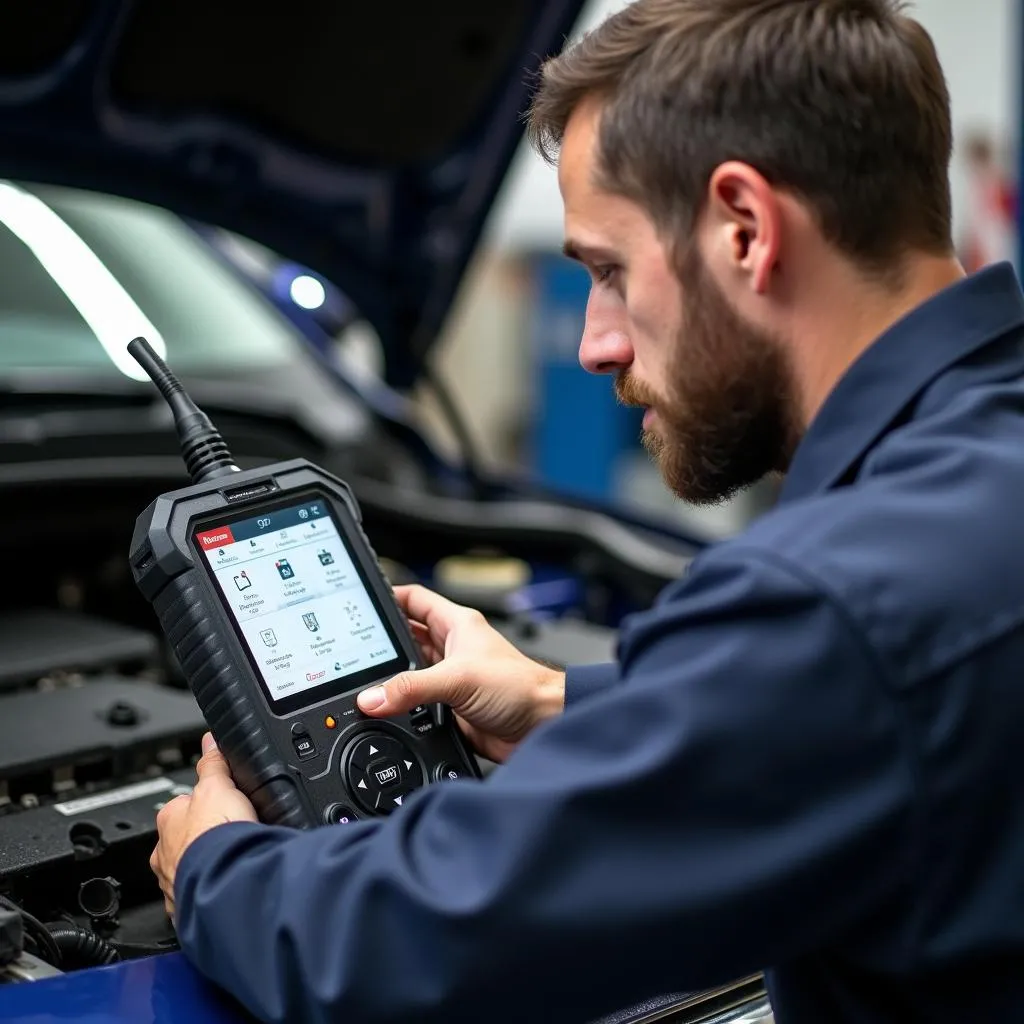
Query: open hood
(364, 140)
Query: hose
(82, 947)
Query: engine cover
(68, 741)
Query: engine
(97, 732)
(94, 738)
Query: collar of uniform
(953, 323)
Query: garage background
(509, 351)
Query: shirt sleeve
(585, 680)
(738, 799)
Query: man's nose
(605, 347)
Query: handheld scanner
(274, 604)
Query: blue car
(366, 143)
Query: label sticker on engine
(120, 796)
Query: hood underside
(366, 141)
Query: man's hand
(214, 801)
(498, 693)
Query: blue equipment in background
(580, 431)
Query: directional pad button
(381, 771)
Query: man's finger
(419, 631)
(437, 613)
(437, 684)
(172, 809)
(212, 764)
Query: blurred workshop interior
(508, 354)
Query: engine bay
(98, 729)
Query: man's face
(716, 389)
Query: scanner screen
(299, 601)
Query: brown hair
(842, 102)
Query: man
(807, 757)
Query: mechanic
(806, 757)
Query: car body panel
(166, 990)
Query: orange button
(330, 722)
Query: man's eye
(606, 274)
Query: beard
(728, 416)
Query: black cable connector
(205, 452)
(35, 932)
(12, 936)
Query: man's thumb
(405, 691)
(212, 763)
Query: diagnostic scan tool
(272, 599)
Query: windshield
(84, 273)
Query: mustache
(629, 392)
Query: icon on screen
(354, 614)
(269, 637)
(326, 558)
(303, 513)
(315, 509)
(242, 581)
(252, 543)
(284, 569)
(220, 552)
(310, 620)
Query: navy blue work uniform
(808, 758)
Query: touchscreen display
(299, 601)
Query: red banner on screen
(215, 538)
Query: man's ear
(744, 218)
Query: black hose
(82, 947)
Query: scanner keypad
(381, 771)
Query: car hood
(365, 141)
